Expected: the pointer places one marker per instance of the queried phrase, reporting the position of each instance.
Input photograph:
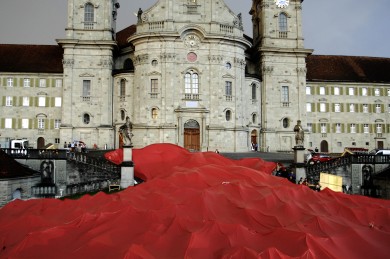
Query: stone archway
(40, 143)
(324, 146)
(192, 135)
(254, 143)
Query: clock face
(191, 41)
(282, 3)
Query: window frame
(9, 101)
(89, 16)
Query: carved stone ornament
(192, 41)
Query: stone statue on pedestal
(299, 134)
(126, 132)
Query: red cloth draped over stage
(198, 205)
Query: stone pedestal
(127, 168)
(299, 163)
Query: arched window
(286, 123)
(154, 113)
(123, 115)
(254, 95)
(254, 118)
(86, 118)
(122, 88)
(89, 16)
(282, 25)
(191, 81)
(228, 115)
(128, 65)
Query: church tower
(87, 61)
(278, 43)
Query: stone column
(127, 167)
(299, 163)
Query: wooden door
(192, 139)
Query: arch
(128, 64)
(192, 135)
(324, 146)
(86, 118)
(123, 114)
(40, 143)
(122, 88)
(191, 84)
(285, 123)
(154, 113)
(254, 143)
(17, 194)
(89, 16)
(254, 118)
(283, 26)
(228, 115)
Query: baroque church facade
(187, 74)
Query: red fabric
(198, 205)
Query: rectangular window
(377, 92)
(322, 107)
(27, 82)
(58, 102)
(310, 127)
(58, 82)
(8, 123)
(322, 90)
(9, 101)
(379, 128)
(337, 107)
(388, 92)
(41, 101)
(378, 108)
(41, 123)
(10, 82)
(323, 128)
(86, 97)
(42, 82)
(338, 127)
(228, 88)
(25, 123)
(352, 107)
(86, 87)
(154, 85)
(26, 101)
(353, 128)
(285, 96)
(388, 107)
(57, 123)
(308, 107)
(364, 91)
(308, 90)
(336, 90)
(254, 91)
(366, 128)
(365, 108)
(351, 91)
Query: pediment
(86, 75)
(228, 76)
(154, 73)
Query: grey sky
(330, 27)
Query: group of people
(76, 146)
(316, 187)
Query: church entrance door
(192, 135)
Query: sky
(330, 27)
